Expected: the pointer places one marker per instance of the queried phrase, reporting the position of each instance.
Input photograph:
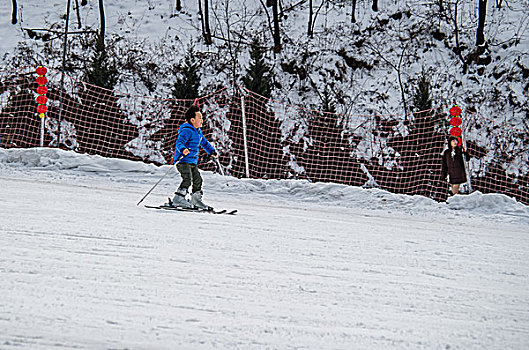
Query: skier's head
(194, 117)
(453, 142)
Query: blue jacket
(191, 138)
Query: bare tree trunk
(207, 33)
(403, 95)
(201, 14)
(231, 50)
(309, 28)
(78, 14)
(101, 38)
(375, 5)
(312, 17)
(458, 45)
(204, 20)
(480, 36)
(499, 3)
(178, 6)
(270, 25)
(277, 36)
(14, 19)
(353, 11)
(456, 29)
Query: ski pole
(156, 184)
(220, 166)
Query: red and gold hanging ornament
(42, 100)
(456, 122)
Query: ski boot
(196, 201)
(179, 200)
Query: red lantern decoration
(42, 109)
(42, 90)
(41, 70)
(42, 81)
(456, 131)
(41, 100)
(456, 121)
(455, 111)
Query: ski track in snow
(83, 267)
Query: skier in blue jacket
(190, 140)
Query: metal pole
(465, 163)
(244, 135)
(65, 46)
(41, 132)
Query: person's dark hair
(191, 113)
(450, 139)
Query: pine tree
(327, 102)
(259, 76)
(102, 71)
(422, 99)
(187, 85)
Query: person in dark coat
(454, 165)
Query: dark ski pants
(190, 175)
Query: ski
(193, 210)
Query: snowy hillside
(301, 266)
(367, 70)
(360, 63)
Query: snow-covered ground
(302, 266)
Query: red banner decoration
(41, 91)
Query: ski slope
(302, 266)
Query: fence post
(467, 167)
(41, 132)
(244, 135)
(64, 49)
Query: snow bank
(57, 159)
(491, 203)
(335, 194)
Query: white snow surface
(301, 266)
